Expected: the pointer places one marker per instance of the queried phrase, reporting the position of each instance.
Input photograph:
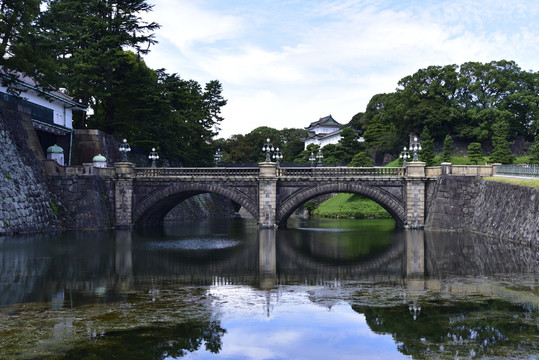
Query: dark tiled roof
(325, 121)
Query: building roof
(21, 81)
(327, 121)
(320, 136)
(55, 149)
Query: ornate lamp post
(319, 156)
(277, 156)
(124, 149)
(415, 309)
(218, 156)
(153, 157)
(416, 146)
(267, 148)
(312, 159)
(405, 154)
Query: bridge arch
(154, 206)
(388, 201)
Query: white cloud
(284, 64)
(184, 23)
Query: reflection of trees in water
(153, 342)
(463, 328)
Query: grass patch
(351, 206)
(515, 181)
(54, 207)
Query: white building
(323, 132)
(51, 111)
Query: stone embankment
(468, 203)
(31, 202)
(26, 204)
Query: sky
(287, 63)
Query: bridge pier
(123, 192)
(267, 195)
(414, 195)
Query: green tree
(292, 149)
(303, 157)
(361, 159)
(292, 142)
(534, 151)
(349, 144)
(427, 147)
(333, 154)
(426, 98)
(475, 155)
(381, 118)
(447, 149)
(213, 102)
(87, 38)
(465, 100)
(501, 152)
(17, 21)
(357, 122)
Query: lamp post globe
(319, 156)
(124, 149)
(277, 156)
(416, 147)
(218, 156)
(153, 157)
(268, 148)
(404, 155)
(312, 159)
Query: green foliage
(85, 38)
(427, 148)
(349, 144)
(361, 159)
(474, 153)
(8, 176)
(380, 124)
(501, 152)
(357, 121)
(303, 157)
(351, 205)
(447, 150)
(18, 31)
(465, 100)
(534, 151)
(248, 148)
(310, 206)
(54, 207)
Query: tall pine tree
(447, 150)
(501, 153)
(427, 144)
(87, 39)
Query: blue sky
(286, 63)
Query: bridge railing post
(446, 168)
(123, 194)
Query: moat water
(327, 289)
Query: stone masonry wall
(84, 202)
(467, 203)
(25, 200)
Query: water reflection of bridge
(268, 260)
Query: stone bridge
(268, 192)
